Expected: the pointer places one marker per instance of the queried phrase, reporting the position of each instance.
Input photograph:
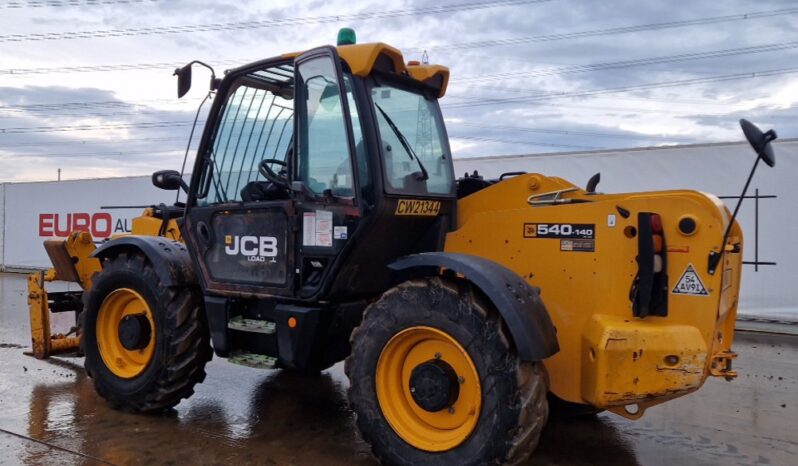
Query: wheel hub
(135, 331)
(428, 388)
(434, 385)
(125, 333)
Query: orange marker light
(292, 322)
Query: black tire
(514, 407)
(182, 345)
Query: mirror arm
(714, 257)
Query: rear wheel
(146, 344)
(435, 379)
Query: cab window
(324, 162)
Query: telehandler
(323, 222)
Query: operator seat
(258, 191)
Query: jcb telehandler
(323, 222)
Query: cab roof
(365, 58)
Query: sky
(86, 86)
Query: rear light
(658, 242)
(649, 293)
(656, 223)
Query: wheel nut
(437, 355)
(460, 379)
(451, 409)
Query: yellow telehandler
(323, 222)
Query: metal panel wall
(770, 222)
(2, 225)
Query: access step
(251, 325)
(258, 361)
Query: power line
(455, 46)
(96, 104)
(106, 154)
(117, 67)
(565, 132)
(609, 31)
(52, 129)
(84, 143)
(635, 62)
(269, 23)
(556, 95)
(63, 3)
(474, 102)
(527, 143)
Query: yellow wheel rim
(428, 431)
(119, 360)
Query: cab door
(243, 245)
(324, 174)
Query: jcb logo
(254, 248)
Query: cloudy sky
(87, 85)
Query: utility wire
(89, 143)
(455, 46)
(62, 3)
(607, 31)
(527, 143)
(51, 129)
(571, 132)
(481, 101)
(97, 104)
(470, 102)
(268, 23)
(634, 62)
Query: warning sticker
(324, 228)
(690, 283)
(309, 229)
(317, 228)
(340, 232)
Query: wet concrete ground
(49, 414)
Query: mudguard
(170, 258)
(518, 302)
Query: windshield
(414, 148)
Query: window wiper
(410, 152)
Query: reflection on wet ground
(49, 414)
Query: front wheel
(146, 344)
(434, 379)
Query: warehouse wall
(34, 212)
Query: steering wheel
(265, 169)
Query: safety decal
(418, 207)
(690, 283)
(317, 228)
(340, 232)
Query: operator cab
(318, 169)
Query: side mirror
(760, 141)
(183, 80)
(169, 180)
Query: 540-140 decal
(560, 230)
(574, 237)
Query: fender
(170, 258)
(517, 301)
